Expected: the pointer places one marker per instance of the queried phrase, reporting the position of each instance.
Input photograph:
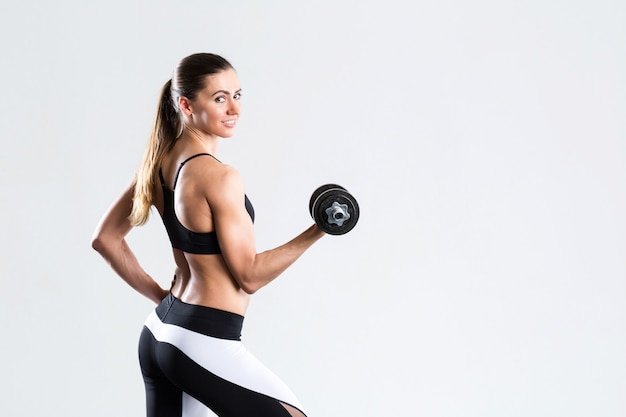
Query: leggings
(192, 359)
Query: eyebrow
(224, 92)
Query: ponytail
(166, 129)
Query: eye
(220, 99)
(237, 96)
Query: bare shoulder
(216, 180)
(228, 184)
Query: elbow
(97, 244)
(249, 287)
(248, 284)
(245, 276)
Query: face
(215, 110)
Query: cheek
(217, 113)
(211, 115)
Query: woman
(190, 349)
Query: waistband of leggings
(205, 320)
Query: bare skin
(209, 197)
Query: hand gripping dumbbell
(334, 209)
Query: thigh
(163, 398)
(224, 397)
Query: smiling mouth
(230, 123)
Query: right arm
(109, 241)
(235, 232)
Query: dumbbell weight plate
(319, 191)
(334, 209)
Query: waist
(208, 282)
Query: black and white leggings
(192, 360)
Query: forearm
(270, 264)
(122, 260)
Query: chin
(227, 135)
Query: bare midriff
(205, 280)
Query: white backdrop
(485, 142)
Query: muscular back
(208, 199)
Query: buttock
(198, 350)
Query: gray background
(485, 141)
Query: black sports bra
(181, 237)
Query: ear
(185, 105)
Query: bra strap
(187, 160)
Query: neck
(209, 143)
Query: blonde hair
(165, 130)
(189, 78)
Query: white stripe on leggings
(228, 359)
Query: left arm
(109, 241)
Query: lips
(230, 123)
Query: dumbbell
(334, 209)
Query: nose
(234, 107)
